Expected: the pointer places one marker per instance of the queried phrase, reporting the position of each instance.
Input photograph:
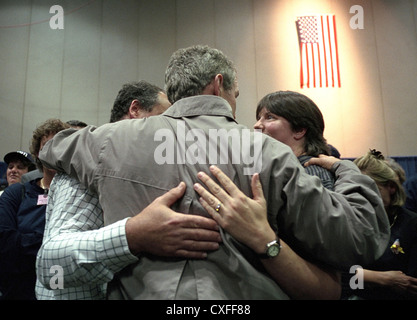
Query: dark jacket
(22, 222)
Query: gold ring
(218, 207)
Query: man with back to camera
(89, 254)
(201, 83)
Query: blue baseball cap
(21, 155)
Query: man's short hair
(191, 69)
(147, 94)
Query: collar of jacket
(200, 105)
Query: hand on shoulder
(324, 161)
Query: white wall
(75, 73)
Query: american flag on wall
(318, 51)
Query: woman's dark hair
(302, 113)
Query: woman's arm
(246, 220)
(394, 279)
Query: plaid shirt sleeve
(76, 240)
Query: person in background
(138, 100)
(398, 169)
(294, 119)
(410, 186)
(22, 222)
(37, 174)
(394, 275)
(18, 164)
(3, 171)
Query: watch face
(273, 250)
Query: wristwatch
(272, 250)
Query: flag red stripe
(308, 67)
(337, 53)
(330, 49)
(301, 64)
(314, 65)
(319, 60)
(324, 53)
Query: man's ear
(134, 109)
(215, 87)
(218, 84)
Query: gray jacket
(130, 163)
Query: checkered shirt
(76, 240)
